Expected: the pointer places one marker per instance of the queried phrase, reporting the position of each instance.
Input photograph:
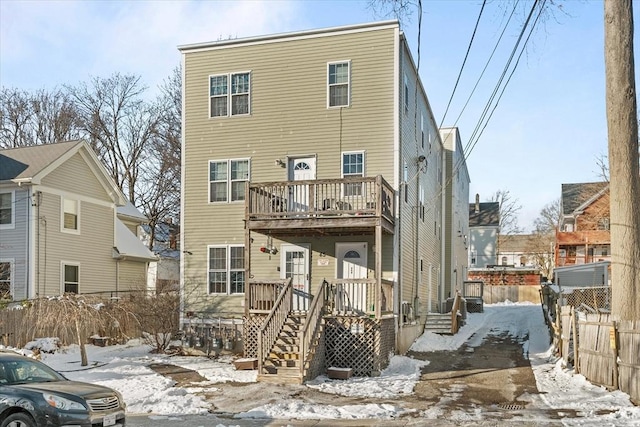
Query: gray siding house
(312, 195)
(484, 228)
(64, 225)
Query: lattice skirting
(251, 327)
(362, 344)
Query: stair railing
(454, 313)
(272, 325)
(312, 325)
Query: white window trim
(364, 168)
(62, 265)
(228, 269)
(348, 62)
(62, 228)
(12, 266)
(229, 180)
(229, 94)
(12, 224)
(364, 162)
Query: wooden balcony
(329, 206)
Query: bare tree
(623, 159)
(42, 117)
(402, 10)
(120, 125)
(55, 117)
(15, 115)
(549, 218)
(159, 194)
(509, 209)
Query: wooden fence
(514, 293)
(606, 352)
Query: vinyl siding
(289, 116)
(132, 276)
(92, 248)
(14, 241)
(77, 177)
(426, 234)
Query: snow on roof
(129, 245)
(131, 211)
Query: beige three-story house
(312, 199)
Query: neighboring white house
(484, 228)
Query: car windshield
(24, 371)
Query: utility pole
(622, 124)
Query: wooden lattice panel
(251, 327)
(352, 343)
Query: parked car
(34, 395)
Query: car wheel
(19, 419)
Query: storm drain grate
(510, 406)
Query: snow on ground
(126, 369)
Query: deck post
(378, 255)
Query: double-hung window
(70, 215)
(71, 278)
(7, 213)
(353, 166)
(5, 278)
(227, 180)
(226, 269)
(229, 94)
(338, 82)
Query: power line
(463, 63)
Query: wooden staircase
(283, 365)
(438, 323)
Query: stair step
(285, 363)
(288, 371)
(278, 379)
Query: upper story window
(5, 279)
(339, 78)
(603, 224)
(353, 166)
(7, 213)
(226, 269)
(227, 180)
(70, 215)
(229, 94)
(70, 278)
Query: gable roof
(31, 164)
(576, 196)
(488, 214)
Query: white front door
(352, 264)
(294, 263)
(300, 169)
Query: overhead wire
(455, 86)
(473, 140)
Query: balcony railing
(317, 199)
(581, 259)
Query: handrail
(272, 325)
(314, 317)
(454, 313)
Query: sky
(548, 128)
(154, 397)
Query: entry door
(300, 169)
(294, 263)
(352, 264)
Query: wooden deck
(325, 207)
